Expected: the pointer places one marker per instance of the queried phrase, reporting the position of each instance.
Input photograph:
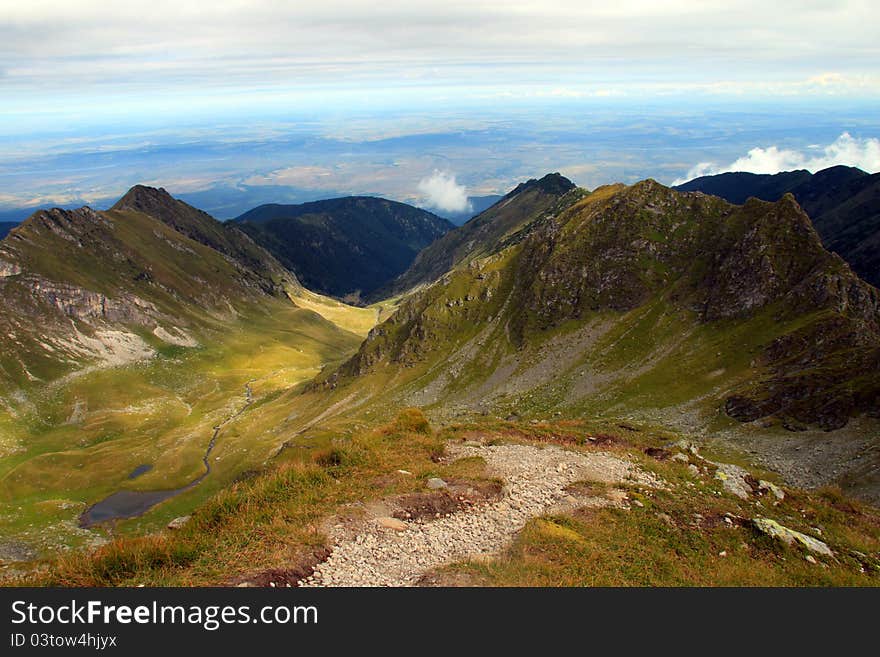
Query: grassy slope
(191, 286)
(476, 340)
(272, 523)
(356, 320)
(72, 436)
(325, 431)
(72, 443)
(672, 325)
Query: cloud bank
(846, 150)
(442, 192)
(788, 46)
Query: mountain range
(481, 234)
(638, 297)
(843, 203)
(154, 356)
(346, 246)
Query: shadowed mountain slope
(5, 227)
(344, 246)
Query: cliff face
(753, 281)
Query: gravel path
(534, 483)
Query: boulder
(178, 522)
(687, 446)
(734, 479)
(790, 536)
(435, 483)
(770, 487)
(392, 523)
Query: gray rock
(178, 522)
(435, 483)
(686, 445)
(769, 487)
(790, 536)
(681, 458)
(733, 478)
(12, 550)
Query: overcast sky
(88, 48)
(330, 96)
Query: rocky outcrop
(9, 269)
(842, 202)
(86, 305)
(791, 537)
(179, 522)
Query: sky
(422, 101)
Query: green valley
(78, 440)
(646, 334)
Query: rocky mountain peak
(552, 183)
(155, 202)
(142, 196)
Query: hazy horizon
(254, 102)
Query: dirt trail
(535, 480)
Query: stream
(132, 503)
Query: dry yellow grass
(350, 318)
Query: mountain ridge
(604, 319)
(843, 203)
(204, 229)
(484, 230)
(620, 256)
(81, 286)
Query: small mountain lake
(125, 504)
(138, 471)
(133, 503)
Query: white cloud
(442, 192)
(846, 150)
(47, 45)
